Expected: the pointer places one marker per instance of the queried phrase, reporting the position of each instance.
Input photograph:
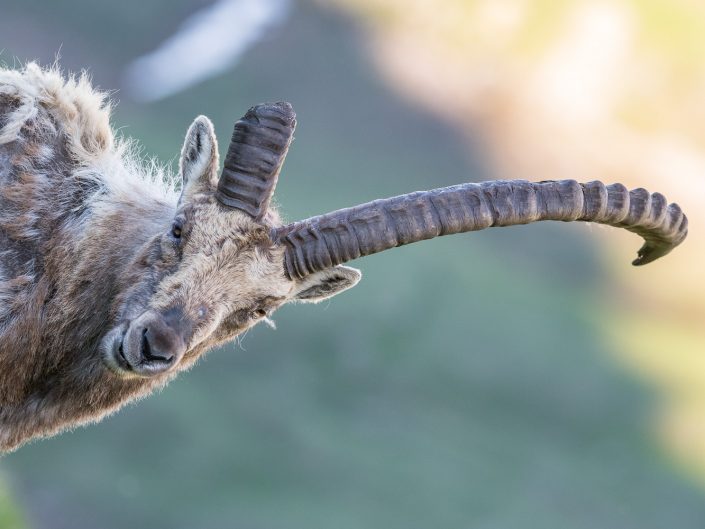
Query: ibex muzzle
(111, 282)
(152, 344)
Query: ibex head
(225, 262)
(218, 267)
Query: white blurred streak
(206, 44)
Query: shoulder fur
(82, 114)
(82, 111)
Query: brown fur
(86, 248)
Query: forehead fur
(227, 259)
(210, 224)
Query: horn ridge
(324, 241)
(258, 147)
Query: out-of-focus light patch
(576, 80)
(206, 44)
(674, 156)
(498, 20)
(643, 341)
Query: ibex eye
(176, 230)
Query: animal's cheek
(192, 354)
(208, 319)
(229, 328)
(203, 338)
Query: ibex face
(214, 271)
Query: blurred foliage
(10, 517)
(467, 381)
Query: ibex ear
(198, 164)
(326, 283)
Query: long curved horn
(321, 242)
(257, 150)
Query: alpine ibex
(111, 282)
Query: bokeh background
(527, 377)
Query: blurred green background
(499, 379)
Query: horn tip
(281, 111)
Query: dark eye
(176, 230)
(259, 313)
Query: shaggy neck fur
(75, 211)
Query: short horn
(321, 242)
(257, 150)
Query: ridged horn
(321, 242)
(255, 156)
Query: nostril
(151, 355)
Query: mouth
(114, 353)
(119, 356)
